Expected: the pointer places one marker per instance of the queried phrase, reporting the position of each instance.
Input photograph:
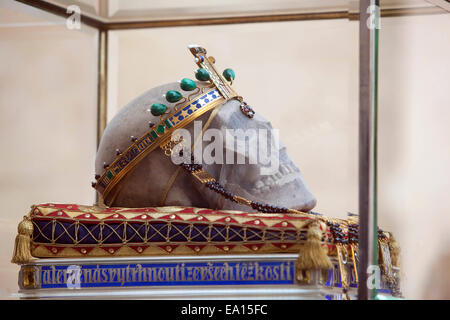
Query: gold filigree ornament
(386, 266)
(355, 259)
(343, 260)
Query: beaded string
(205, 178)
(339, 237)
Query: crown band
(158, 135)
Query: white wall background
(414, 154)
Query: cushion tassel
(312, 255)
(22, 247)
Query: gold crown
(184, 111)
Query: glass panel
(413, 151)
(306, 85)
(48, 117)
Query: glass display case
(360, 103)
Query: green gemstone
(202, 75)
(160, 129)
(168, 124)
(229, 74)
(188, 84)
(173, 96)
(154, 135)
(158, 109)
(109, 174)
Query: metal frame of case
(368, 38)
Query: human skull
(145, 185)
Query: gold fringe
(394, 248)
(22, 246)
(312, 255)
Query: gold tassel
(22, 247)
(394, 248)
(312, 255)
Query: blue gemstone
(180, 118)
(206, 100)
(198, 105)
(190, 111)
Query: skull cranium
(145, 185)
